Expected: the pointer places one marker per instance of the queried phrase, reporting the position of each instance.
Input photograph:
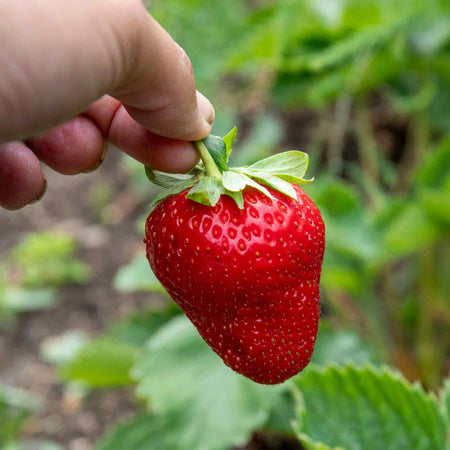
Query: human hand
(105, 70)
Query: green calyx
(212, 177)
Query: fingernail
(205, 108)
(102, 158)
(42, 193)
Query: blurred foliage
(371, 78)
(15, 407)
(44, 259)
(103, 363)
(340, 347)
(16, 299)
(312, 52)
(30, 275)
(59, 350)
(137, 276)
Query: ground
(105, 247)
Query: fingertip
(206, 109)
(21, 179)
(202, 122)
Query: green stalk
(428, 345)
(211, 168)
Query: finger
(77, 146)
(21, 177)
(168, 155)
(86, 49)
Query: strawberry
(240, 251)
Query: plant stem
(367, 148)
(428, 345)
(211, 168)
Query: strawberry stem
(211, 168)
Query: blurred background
(363, 86)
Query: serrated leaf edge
(381, 372)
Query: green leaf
(349, 231)
(228, 140)
(283, 412)
(19, 399)
(218, 150)
(173, 190)
(167, 180)
(48, 259)
(437, 205)
(143, 432)
(337, 198)
(340, 347)
(139, 327)
(15, 406)
(104, 362)
(207, 191)
(365, 408)
(180, 373)
(411, 230)
(18, 300)
(445, 401)
(290, 166)
(62, 349)
(137, 276)
(434, 169)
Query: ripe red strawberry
(247, 278)
(242, 258)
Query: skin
(76, 74)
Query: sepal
(168, 180)
(212, 178)
(218, 150)
(290, 166)
(228, 139)
(173, 190)
(207, 191)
